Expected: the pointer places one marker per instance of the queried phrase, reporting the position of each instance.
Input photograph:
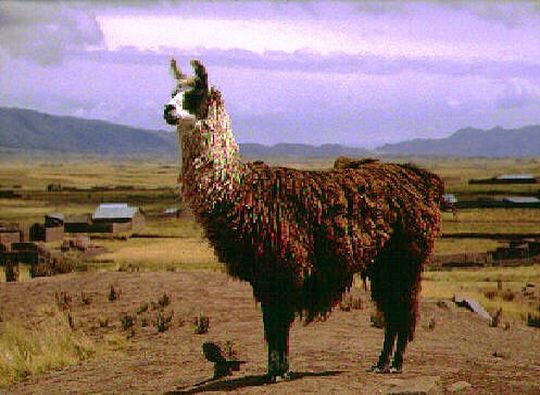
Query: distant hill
(301, 150)
(474, 142)
(28, 130)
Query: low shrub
(202, 324)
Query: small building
(14, 233)
(522, 201)
(517, 178)
(171, 212)
(40, 232)
(9, 236)
(117, 217)
(54, 219)
(78, 223)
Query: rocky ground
(454, 350)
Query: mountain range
(30, 131)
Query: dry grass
(476, 284)
(500, 220)
(51, 344)
(458, 246)
(164, 255)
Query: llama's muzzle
(169, 114)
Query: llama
(299, 237)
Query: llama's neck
(211, 165)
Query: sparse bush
(164, 300)
(144, 322)
(103, 322)
(490, 294)
(163, 321)
(142, 308)
(431, 324)
(349, 303)
(202, 324)
(229, 350)
(496, 318)
(533, 320)
(11, 271)
(63, 300)
(346, 304)
(114, 294)
(2, 319)
(85, 298)
(377, 319)
(71, 321)
(357, 304)
(508, 295)
(128, 323)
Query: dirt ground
(326, 357)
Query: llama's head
(189, 100)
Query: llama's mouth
(169, 114)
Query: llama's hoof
(396, 369)
(277, 378)
(379, 369)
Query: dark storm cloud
(43, 32)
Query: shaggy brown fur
(298, 237)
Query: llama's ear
(177, 73)
(198, 68)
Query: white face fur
(183, 117)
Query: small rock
(531, 285)
(428, 385)
(459, 386)
(501, 354)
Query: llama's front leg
(402, 340)
(276, 330)
(383, 364)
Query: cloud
(44, 32)
(518, 93)
(510, 14)
(313, 62)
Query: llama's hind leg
(277, 321)
(406, 327)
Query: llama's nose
(169, 113)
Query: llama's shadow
(246, 381)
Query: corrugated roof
(114, 210)
(515, 177)
(521, 199)
(58, 216)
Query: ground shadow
(246, 381)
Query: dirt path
(327, 357)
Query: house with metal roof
(522, 201)
(117, 217)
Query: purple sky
(354, 73)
